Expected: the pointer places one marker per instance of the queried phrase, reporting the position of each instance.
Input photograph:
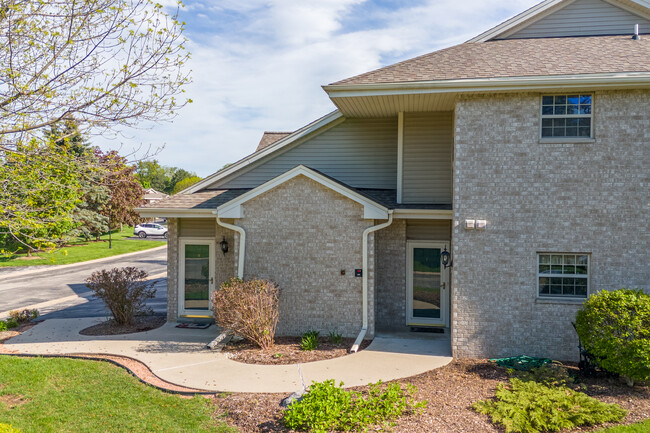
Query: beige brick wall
(301, 235)
(538, 197)
(172, 269)
(391, 276)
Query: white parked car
(150, 229)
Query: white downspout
(364, 279)
(242, 244)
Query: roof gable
(371, 209)
(567, 18)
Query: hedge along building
(523, 151)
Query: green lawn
(66, 395)
(82, 251)
(641, 427)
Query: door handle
(212, 280)
(443, 285)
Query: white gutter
(364, 279)
(242, 244)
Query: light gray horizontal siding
(197, 227)
(359, 152)
(428, 230)
(585, 18)
(428, 142)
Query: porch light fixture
(224, 246)
(445, 257)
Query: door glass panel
(197, 277)
(426, 283)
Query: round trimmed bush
(614, 326)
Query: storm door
(427, 282)
(196, 277)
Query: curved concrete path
(179, 356)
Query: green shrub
(548, 374)
(530, 407)
(248, 308)
(6, 428)
(3, 325)
(309, 340)
(11, 323)
(335, 337)
(614, 326)
(124, 291)
(328, 407)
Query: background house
(524, 152)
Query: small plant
(614, 326)
(124, 291)
(11, 323)
(277, 355)
(23, 316)
(7, 428)
(328, 407)
(335, 337)
(530, 407)
(248, 308)
(3, 325)
(309, 341)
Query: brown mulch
(140, 324)
(449, 391)
(286, 350)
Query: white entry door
(196, 277)
(427, 284)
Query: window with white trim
(563, 275)
(567, 116)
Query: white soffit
(371, 209)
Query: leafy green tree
(66, 133)
(153, 175)
(178, 176)
(37, 197)
(185, 183)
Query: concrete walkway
(179, 356)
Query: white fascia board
(537, 11)
(544, 82)
(371, 209)
(334, 116)
(546, 8)
(174, 213)
(431, 214)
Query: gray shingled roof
(269, 138)
(518, 58)
(198, 200)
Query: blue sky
(258, 64)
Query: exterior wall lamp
(224, 246)
(445, 257)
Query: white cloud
(266, 73)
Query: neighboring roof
(540, 10)
(198, 200)
(152, 194)
(269, 138)
(518, 58)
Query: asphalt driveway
(60, 292)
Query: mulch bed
(140, 324)
(286, 350)
(450, 391)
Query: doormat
(194, 325)
(428, 329)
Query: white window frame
(539, 275)
(566, 138)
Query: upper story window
(563, 275)
(567, 116)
